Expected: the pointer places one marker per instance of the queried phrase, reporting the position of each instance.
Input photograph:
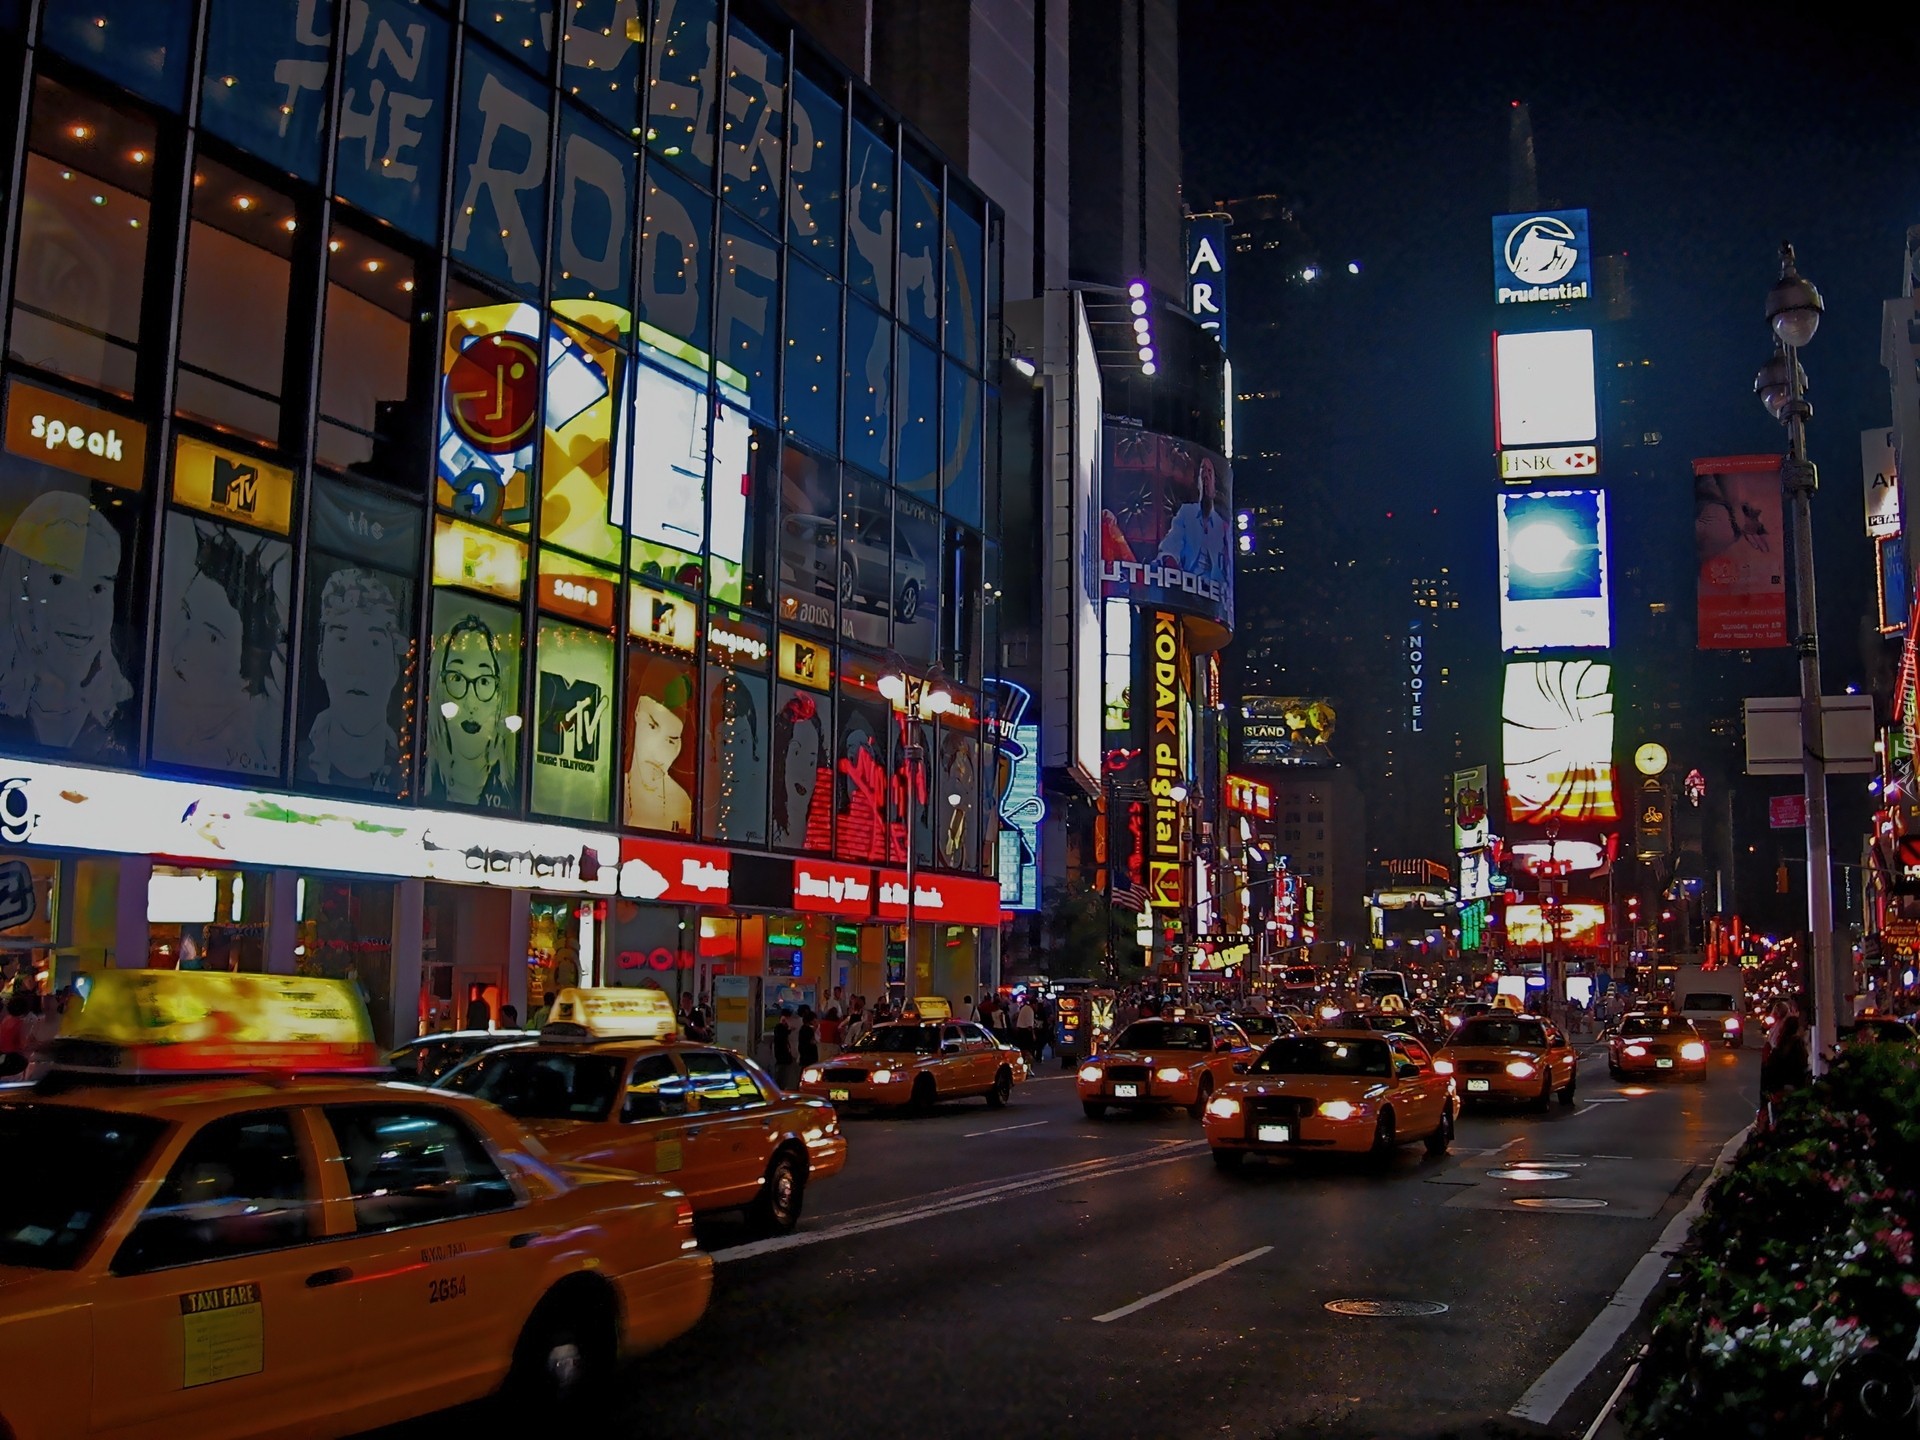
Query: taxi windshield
(1164, 1035)
(1300, 1055)
(1655, 1025)
(918, 1039)
(67, 1169)
(1495, 1030)
(541, 1085)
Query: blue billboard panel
(1553, 570)
(1543, 255)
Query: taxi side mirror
(1239, 1067)
(949, 1047)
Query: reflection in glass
(960, 461)
(733, 795)
(815, 198)
(812, 406)
(572, 739)
(490, 409)
(592, 246)
(916, 554)
(860, 779)
(866, 565)
(809, 540)
(577, 508)
(869, 388)
(870, 221)
(472, 745)
(233, 312)
(601, 58)
(359, 661)
(500, 172)
(919, 419)
(732, 486)
(661, 754)
(522, 28)
(668, 460)
(963, 283)
(802, 770)
(680, 100)
(266, 81)
(749, 306)
(919, 250)
(755, 123)
(676, 260)
(393, 114)
(368, 421)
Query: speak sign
(1787, 812)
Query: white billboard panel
(1084, 604)
(1543, 388)
(1553, 570)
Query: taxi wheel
(1199, 1106)
(1566, 1095)
(566, 1353)
(1441, 1138)
(1615, 1071)
(924, 1094)
(1545, 1097)
(1002, 1090)
(1385, 1142)
(776, 1209)
(1093, 1109)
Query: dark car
(1262, 1028)
(426, 1059)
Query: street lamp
(1793, 311)
(922, 698)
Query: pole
(1800, 479)
(916, 757)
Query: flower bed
(1800, 1269)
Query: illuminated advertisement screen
(1557, 741)
(669, 463)
(1582, 926)
(1553, 570)
(1543, 388)
(1541, 255)
(1286, 730)
(1087, 550)
(1166, 537)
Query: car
(915, 1064)
(1655, 1044)
(426, 1059)
(266, 1236)
(1504, 1055)
(1177, 1061)
(1261, 1029)
(1880, 1027)
(1345, 1091)
(1303, 1018)
(1454, 1012)
(1402, 1022)
(873, 560)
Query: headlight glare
(1171, 1074)
(1520, 1069)
(1090, 1074)
(810, 1075)
(1225, 1106)
(1693, 1050)
(1339, 1109)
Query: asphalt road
(961, 1277)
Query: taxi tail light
(1637, 1051)
(811, 1075)
(1693, 1050)
(1732, 1022)
(1225, 1106)
(683, 1212)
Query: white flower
(1810, 1378)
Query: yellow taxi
(916, 1063)
(1363, 1092)
(1180, 1061)
(602, 1086)
(1504, 1055)
(1655, 1046)
(205, 1233)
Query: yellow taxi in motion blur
(1655, 1045)
(916, 1064)
(1179, 1061)
(186, 1249)
(600, 1089)
(1353, 1091)
(1504, 1055)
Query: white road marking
(1609, 1100)
(1547, 1394)
(1186, 1284)
(966, 1198)
(976, 1134)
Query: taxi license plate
(839, 1094)
(1479, 1085)
(1277, 1134)
(1663, 1064)
(1126, 1092)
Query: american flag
(1131, 896)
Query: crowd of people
(29, 1015)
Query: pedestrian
(16, 1029)
(509, 1018)
(786, 1073)
(809, 1037)
(479, 1015)
(830, 1031)
(1023, 1023)
(969, 1010)
(855, 1027)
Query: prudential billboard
(1541, 256)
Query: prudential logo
(1541, 256)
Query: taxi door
(1560, 1057)
(653, 1120)
(728, 1130)
(986, 1053)
(961, 1063)
(201, 1324)
(1417, 1098)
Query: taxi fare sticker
(223, 1332)
(666, 1157)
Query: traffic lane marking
(1031, 1124)
(1187, 1284)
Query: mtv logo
(235, 486)
(572, 718)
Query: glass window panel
(393, 113)
(601, 58)
(680, 99)
(812, 406)
(749, 311)
(919, 251)
(869, 430)
(593, 235)
(963, 284)
(522, 28)
(668, 461)
(992, 349)
(755, 127)
(802, 753)
(490, 410)
(960, 603)
(141, 44)
(360, 656)
(473, 690)
(816, 197)
(733, 794)
(956, 800)
(860, 766)
(733, 464)
(870, 222)
(868, 595)
(222, 667)
(919, 419)
(572, 739)
(911, 781)
(414, 1165)
(916, 550)
(570, 587)
(577, 502)
(500, 172)
(676, 262)
(661, 755)
(370, 420)
(809, 540)
(990, 459)
(83, 238)
(960, 459)
(266, 79)
(240, 1187)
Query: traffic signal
(1780, 879)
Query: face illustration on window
(655, 800)
(471, 754)
(361, 647)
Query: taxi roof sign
(617, 1012)
(199, 1021)
(932, 1007)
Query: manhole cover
(1386, 1307)
(1531, 1174)
(1560, 1202)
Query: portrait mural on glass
(572, 741)
(660, 742)
(473, 700)
(221, 676)
(733, 793)
(959, 797)
(802, 771)
(860, 780)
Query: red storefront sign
(1787, 812)
(670, 871)
(824, 888)
(947, 898)
(1250, 797)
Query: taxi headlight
(1520, 1069)
(811, 1075)
(1171, 1074)
(882, 1077)
(1693, 1050)
(1090, 1074)
(1225, 1106)
(1637, 1051)
(1443, 1067)
(1340, 1109)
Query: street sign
(1846, 726)
(1787, 812)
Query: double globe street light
(922, 698)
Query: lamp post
(1793, 310)
(921, 699)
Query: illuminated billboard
(1543, 388)
(1286, 730)
(1553, 570)
(1470, 829)
(1557, 741)
(1165, 536)
(1580, 926)
(1541, 255)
